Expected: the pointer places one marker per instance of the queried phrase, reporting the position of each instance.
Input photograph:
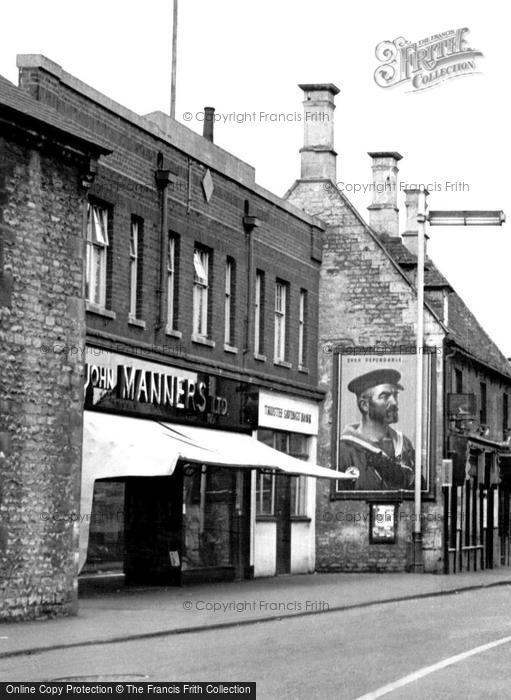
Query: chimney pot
(209, 123)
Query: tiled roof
(463, 326)
(23, 108)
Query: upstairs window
(135, 268)
(483, 411)
(302, 329)
(201, 263)
(172, 263)
(259, 314)
(281, 292)
(229, 302)
(96, 256)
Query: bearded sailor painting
(384, 456)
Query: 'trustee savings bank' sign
(123, 384)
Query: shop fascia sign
(147, 383)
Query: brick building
(46, 167)
(367, 322)
(200, 299)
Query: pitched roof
(23, 109)
(463, 326)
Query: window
(201, 262)
(302, 329)
(259, 314)
(172, 258)
(96, 258)
(482, 413)
(505, 415)
(229, 302)
(280, 321)
(296, 445)
(135, 268)
(265, 493)
(458, 381)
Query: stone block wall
(41, 395)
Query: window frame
(229, 302)
(259, 313)
(135, 277)
(172, 282)
(96, 258)
(201, 289)
(280, 321)
(302, 328)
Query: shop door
(152, 531)
(283, 517)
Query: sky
(243, 57)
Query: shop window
(136, 274)
(96, 254)
(201, 284)
(172, 281)
(259, 314)
(265, 493)
(105, 551)
(209, 512)
(296, 445)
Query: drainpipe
(249, 224)
(163, 179)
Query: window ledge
(99, 310)
(302, 368)
(202, 340)
(172, 332)
(259, 358)
(283, 363)
(132, 321)
(230, 348)
(300, 519)
(266, 518)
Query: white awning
(118, 446)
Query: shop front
(181, 468)
(477, 505)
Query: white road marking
(416, 675)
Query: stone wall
(365, 300)
(41, 395)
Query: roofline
(459, 348)
(375, 238)
(197, 147)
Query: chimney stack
(414, 207)
(318, 155)
(209, 123)
(384, 212)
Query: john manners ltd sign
(427, 62)
(122, 384)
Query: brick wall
(41, 393)
(126, 182)
(365, 300)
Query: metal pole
(418, 563)
(174, 63)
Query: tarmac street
(454, 645)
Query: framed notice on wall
(382, 523)
(374, 423)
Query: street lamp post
(435, 218)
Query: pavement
(137, 613)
